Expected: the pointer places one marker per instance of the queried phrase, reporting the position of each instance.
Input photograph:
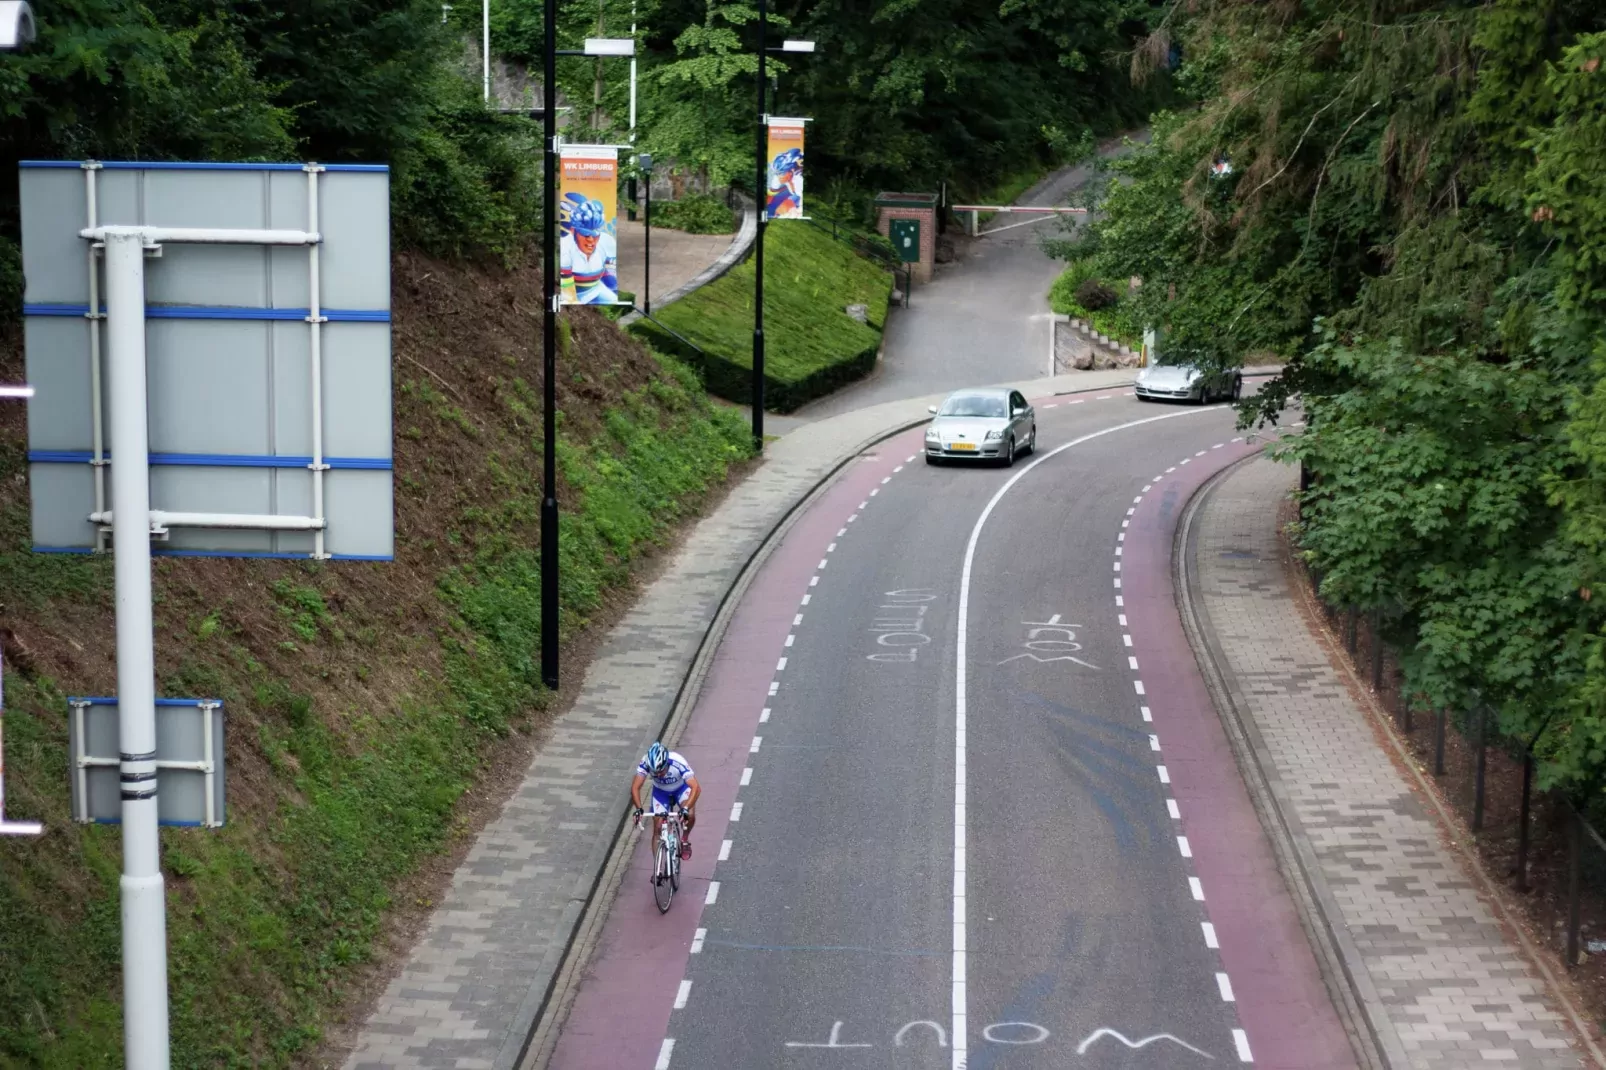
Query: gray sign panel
(230, 336)
(189, 761)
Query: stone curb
(1365, 1017)
(734, 254)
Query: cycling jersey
(673, 778)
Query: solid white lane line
(1224, 983)
(663, 1055)
(713, 893)
(1241, 1040)
(958, 1039)
(747, 776)
(1209, 935)
(725, 851)
(1196, 888)
(697, 941)
(1171, 808)
(683, 995)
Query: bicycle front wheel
(663, 881)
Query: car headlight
(1193, 373)
(1143, 373)
(994, 436)
(931, 433)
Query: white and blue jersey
(671, 788)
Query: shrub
(697, 214)
(1093, 295)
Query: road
(984, 320)
(967, 803)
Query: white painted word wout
(900, 623)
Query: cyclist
(673, 784)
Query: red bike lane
(1282, 1002)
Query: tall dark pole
(549, 356)
(760, 191)
(646, 260)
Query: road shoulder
(1424, 965)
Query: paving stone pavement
(469, 991)
(1454, 988)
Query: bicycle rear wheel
(663, 883)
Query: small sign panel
(233, 331)
(189, 761)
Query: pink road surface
(621, 1013)
(1281, 1000)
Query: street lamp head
(644, 161)
(610, 46)
(16, 24)
(797, 46)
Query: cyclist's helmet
(657, 758)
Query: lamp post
(594, 46)
(761, 192)
(644, 162)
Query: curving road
(967, 803)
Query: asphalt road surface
(967, 803)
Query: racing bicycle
(666, 859)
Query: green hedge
(812, 345)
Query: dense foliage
(1411, 211)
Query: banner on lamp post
(784, 198)
(588, 225)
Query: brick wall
(928, 235)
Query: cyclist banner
(588, 224)
(785, 196)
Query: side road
(1396, 914)
(475, 983)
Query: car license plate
(961, 445)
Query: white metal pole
(97, 417)
(485, 44)
(145, 1038)
(315, 317)
(632, 74)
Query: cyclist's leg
(689, 816)
(661, 802)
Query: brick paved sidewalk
(1448, 988)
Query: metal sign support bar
(144, 913)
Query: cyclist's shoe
(685, 850)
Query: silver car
(1186, 383)
(991, 425)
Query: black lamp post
(594, 46)
(761, 192)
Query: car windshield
(974, 405)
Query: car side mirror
(932, 409)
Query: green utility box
(905, 237)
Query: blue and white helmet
(787, 162)
(582, 214)
(657, 759)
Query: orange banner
(785, 196)
(588, 225)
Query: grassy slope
(363, 700)
(1115, 321)
(808, 281)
